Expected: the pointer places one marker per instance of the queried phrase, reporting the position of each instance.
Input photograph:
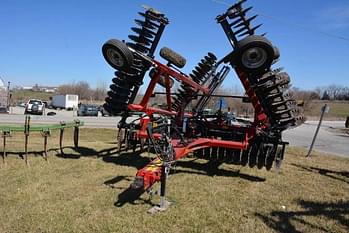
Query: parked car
(4, 109)
(34, 106)
(87, 110)
(45, 103)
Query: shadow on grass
(128, 195)
(79, 152)
(211, 168)
(131, 196)
(287, 221)
(136, 160)
(337, 175)
(22, 154)
(133, 159)
(109, 155)
(111, 182)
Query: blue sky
(56, 42)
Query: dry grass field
(24, 95)
(339, 110)
(85, 190)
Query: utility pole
(324, 109)
(8, 96)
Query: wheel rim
(115, 57)
(255, 57)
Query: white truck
(68, 102)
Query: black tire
(255, 54)
(117, 54)
(172, 57)
(35, 108)
(276, 53)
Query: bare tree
(66, 89)
(335, 92)
(100, 92)
(81, 88)
(325, 96)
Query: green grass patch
(78, 192)
(339, 110)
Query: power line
(293, 24)
(304, 28)
(221, 2)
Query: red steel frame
(151, 173)
(166, 72)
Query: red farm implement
(173, 132)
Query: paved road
(95, 122)
(329, 140)
(17, 117)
